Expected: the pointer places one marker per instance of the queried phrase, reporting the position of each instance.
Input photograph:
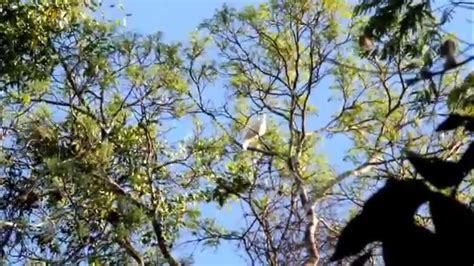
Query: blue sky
(176, 19)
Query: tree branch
(125, 244)
(429, 74)
(158, 228)
(362, 169)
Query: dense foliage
(94, 167)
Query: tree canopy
(93, 170)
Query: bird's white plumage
(255, 129)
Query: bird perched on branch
(255, 129)
(448, 50)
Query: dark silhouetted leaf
(467, 160)
(454, 224)
(454, 121)
(392, 209)
(470, 125)
(392, 206)
(439, 173)
(413, 245)
(354, 237)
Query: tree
(28, 31)
(87, 172)
(280, 58)
(91, 171)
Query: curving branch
(125, 244)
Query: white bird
(255, 129)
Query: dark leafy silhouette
(412, 245)
(454, 121)
(388, 217)
(354, 237)
(441, 174)
(467, 160)
(454, 224)
(391, 222)
(382, 214)
(393, 209)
